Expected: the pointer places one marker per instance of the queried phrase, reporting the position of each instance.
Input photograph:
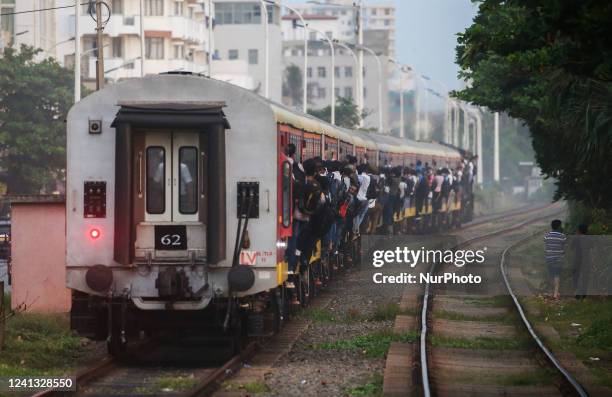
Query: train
(165, 176)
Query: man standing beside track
(554, 246)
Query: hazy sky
(426, 35)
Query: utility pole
(100, 46)
(142, 40)
(360, 82)
(77, 53)
(496, 149)
(2, 315)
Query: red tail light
(94, 234)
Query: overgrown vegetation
(38, 344)
(372, 345)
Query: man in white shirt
(362, 198)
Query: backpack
(373, 190)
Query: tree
(347, 113)
(293, 85)
(549, 64)
(34, 100)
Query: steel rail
(212, 381)
(551, 358)
(426, 293)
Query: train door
(172, 172)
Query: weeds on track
(372, 345)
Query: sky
(426, 35)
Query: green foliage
(34, 100)
(374, 387)
(548, 63)
(347, 114)
(373, 345)
(293, 85)
(38, 344)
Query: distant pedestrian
(554, 247)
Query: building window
(253, 57)
(190, 12)
(179, 51)
(329, 34)
(387, 22)
(337, 92)
(387, 11)
(117, 47)
(337, 71)
(178, 8)
(348, 92)
(321, 92)
(321, 72)
(154, 7)
(7, 22)
(241, 13)
(117, 6)
(154, 48)
(365, 92)
(348, 71)
(373, 11)
(309, 72)
(312, 36)
(232, 54)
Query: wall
(38, 257)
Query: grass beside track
(372, 388)
(372, 345)
(39, 344)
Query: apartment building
(319, 74)
(240, 37)
(177, 37)
(37, 29)
(381, 17)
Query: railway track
(114, 377)
(450, 324)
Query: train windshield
(188, 189)
(156, 176)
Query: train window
(188, 180)
(156, 177)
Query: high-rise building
(176, 37)
(240, 36)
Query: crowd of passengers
(335, 201)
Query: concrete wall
(38, 257)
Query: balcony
(179, 27)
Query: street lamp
(264, 16)
(380, 80)
(304, 24)
(359, 22)
(401, 69)
(333, 73)
(358, 88)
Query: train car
(179, 204)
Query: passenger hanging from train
(421, 191)
(298, 222)
(374, 207)
(437, 190)
(361, 202)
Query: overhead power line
(40, 10)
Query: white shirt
(364, 183)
